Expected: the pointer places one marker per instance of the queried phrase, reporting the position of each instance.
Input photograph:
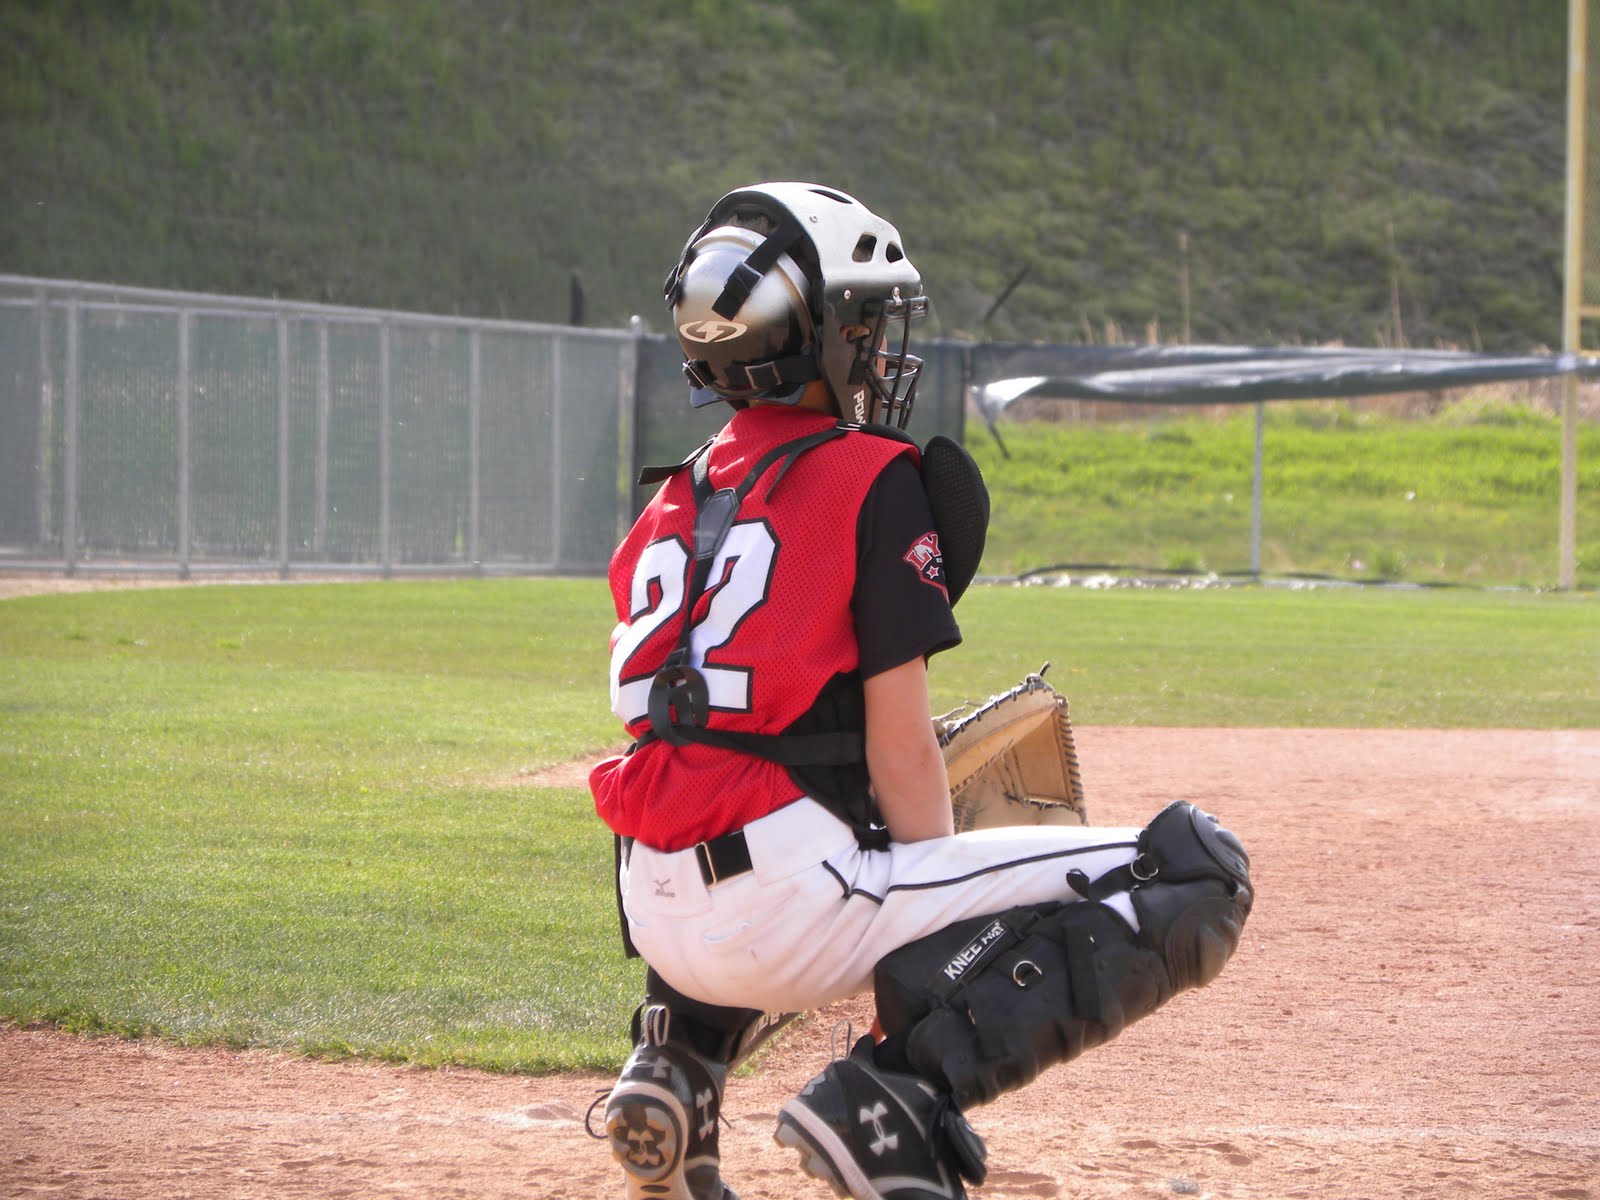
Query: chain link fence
(144, 429)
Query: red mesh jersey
(773, 626)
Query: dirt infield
(52, 583)
(1413, 1014)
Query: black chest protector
(824, 750)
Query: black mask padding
(960, 503)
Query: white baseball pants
(808, 924)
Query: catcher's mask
(785, 283)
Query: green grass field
(281, 816)
(1470, 496)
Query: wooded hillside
(1339, 169)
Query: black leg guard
(724, 1035)
(987, 1004)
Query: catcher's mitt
(1012, 761)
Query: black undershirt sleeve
(902, 610)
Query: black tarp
(1242, 374)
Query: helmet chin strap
(775, 377)
(790, 399)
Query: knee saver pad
(726, 1042)
(987, 1005)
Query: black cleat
(661, 1119)
(873, 1134)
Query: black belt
(722, 858)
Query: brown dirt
(50, 583)
(1412, 1015)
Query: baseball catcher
(792, 828)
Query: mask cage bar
(892, 375)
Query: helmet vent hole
(831, 195)
(864, 248)
(893, 253)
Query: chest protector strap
(679, 703)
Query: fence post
(557, 382)
(474, 445)
(319, 534)
(69, 484)
(384, 559)
(1567, 534)
(283, 446)
(1256, 490)
(184, 402)
(1572, 283)
(42, 473)
(627, 427)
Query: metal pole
(557, 372)
(324, 405)
(1256, 489)
(1568, 573)
(283, 446)
(42, 473)
(384, 559)
(1572, 290)
(474, 445)
(69, 484)
(184, 402)
(627, 426)
(1183, 281)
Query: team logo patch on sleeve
(926, 557)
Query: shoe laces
(588, 1117)
(604, 1094)
(953, 1141)
(603, 1136)
(841, 1035)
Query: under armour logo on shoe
(874, 1116)
(663, 890)
(644, 1148)
(708, 1118)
